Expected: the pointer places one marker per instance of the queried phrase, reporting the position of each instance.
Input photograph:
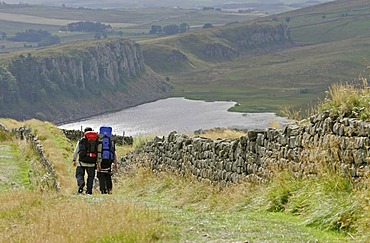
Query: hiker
(106, 157)
(87, 151)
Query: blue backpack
(108, 148)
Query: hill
(78, 80)
(329, 45)
(81, 79)
(285, 60)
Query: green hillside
(327, 44)
(330, 46)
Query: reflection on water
(177, 114)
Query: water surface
(177, 114)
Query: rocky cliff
(215, 45)
(77, 81)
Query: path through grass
(144, 207)
(14, 170)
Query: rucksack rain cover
(107, 144)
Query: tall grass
(349, 100)
(33, 217)
(221, 133)
(57, 148)
(232, 209)
(328, 199)
(141, 140)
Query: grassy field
(164, 207)
(134, 23)
(269, 82)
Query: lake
(177, 114)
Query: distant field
(133, 23)
(33, 19)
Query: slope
(329, 46)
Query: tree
(171, 29)
(184, 27)
(288, 19)
(155, 29)
(87, 26)
(8, 91)
(31, 35)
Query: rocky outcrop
(340, 145)
(257, 36)
(77, 82)
(218, 50)
(216, 44)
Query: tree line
(42, 37)
(172, 29)
(87, 26)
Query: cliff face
(77, 82)
(256, 36)
(108, 62)
(217, 45)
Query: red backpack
(88, 147)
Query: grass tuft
(348, 100)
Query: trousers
(80, 176)
(105, 181)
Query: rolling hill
(284, 60)
(329, 45)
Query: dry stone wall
(75, 135)
(341, 143)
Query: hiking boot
(81, 187)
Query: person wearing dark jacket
(83, 167)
